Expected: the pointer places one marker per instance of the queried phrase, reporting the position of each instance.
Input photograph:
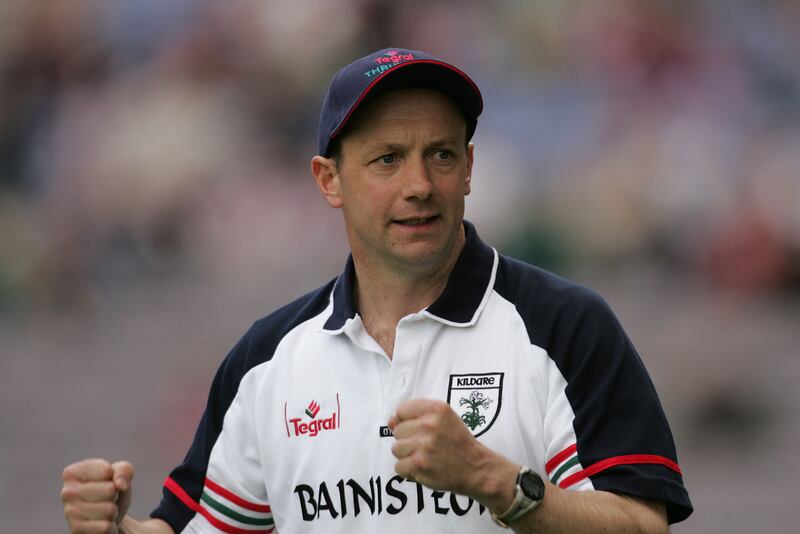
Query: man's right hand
(96, 495)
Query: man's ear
(470, 160)
(327, 177)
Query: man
(434, 386)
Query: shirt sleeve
(219, 486)
(605, 426)
(234, 498)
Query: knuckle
(440, 408)
(70, 511)
(101, 465)
(430, 444)
(428, 424)
(108, 491)
(74, 470)
(421, 463)
(106, 472)
(68, 492)
(402, 468)
(79, 526)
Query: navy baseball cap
(387, 69)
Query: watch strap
(520, 506)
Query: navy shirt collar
(460, 302)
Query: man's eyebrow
(383, 147)
(386, 147)
(447, 141)
(391, 147)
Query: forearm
(592, 511)
(149, 526)
(564, 511)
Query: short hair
(336, 152)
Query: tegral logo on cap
(389, 59)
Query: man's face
(404, 173)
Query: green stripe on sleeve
(233, 514)
(564, 467)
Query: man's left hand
(435, 448)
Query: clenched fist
(435, 448)
(96, 495)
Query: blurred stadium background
(155, 199)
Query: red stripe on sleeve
(264, 508)
(608, 463)
(180, 494)
(178, 491)
(560, 457)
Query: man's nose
(418, 183)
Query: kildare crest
(477, 399)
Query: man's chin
(423, 257)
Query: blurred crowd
(147, 136)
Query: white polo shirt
(294, 436)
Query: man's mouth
(417, 221)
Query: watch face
(532, 485)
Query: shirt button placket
(404, 361)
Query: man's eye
(444, 154)
(388, 159)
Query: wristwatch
(529, 493)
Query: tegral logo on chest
(298, 426)
(477, 399)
